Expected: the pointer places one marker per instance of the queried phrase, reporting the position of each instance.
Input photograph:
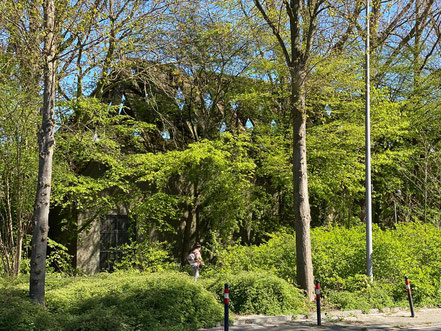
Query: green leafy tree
(18, 123)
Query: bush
(260, 293)
(339, 255)
(359, 293)
(138, 301)
(58, 259)
(129, 301)
(412, 249)
(146, 256)
(277, 256)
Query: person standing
(195, 260)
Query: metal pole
(368, 154)
(397, 195)
(395, 211)
(226, 304)
(409, 296)
(317, 299)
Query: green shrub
(136, 301)
(412, 250)
(129, 301)
(146, 256)
(359, 293)
(277, 256)
(259, 293)
(339, 254)
(58, 259)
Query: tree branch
(275, 32)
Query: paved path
(425, 319)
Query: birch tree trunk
(46, 148)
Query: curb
(260, 319)
(376, 319)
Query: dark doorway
(114, 232)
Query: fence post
(226, 304)
(317, 299)
(409, 296)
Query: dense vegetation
(129, 301)
(229, 123)
(411, 250)
(260, 279)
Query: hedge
(129, 301)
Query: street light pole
(368, 153)
(395, 211)
(397, 194)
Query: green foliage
(336, 155)
(260, 293)
(138, 301)
(366, 296)
(338, 253)
(58, 258)
(276, 256)
(412, 249)
(129, 301)
(17, 312)
(91, 155)
(339, 259)
(19, 118)
(146, 256)
(107, 168)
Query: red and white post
(226, 305)
(317, 300)
(409, 296)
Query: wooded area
(217, 122)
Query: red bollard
(409, 296)
(317, 299)
(226, 304)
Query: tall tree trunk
(19, 214)
(5, 256)
(46, 147)
(18, 248)
(189, 231)
(302, 213)
(296, 62)
(10, 242)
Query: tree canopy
(217, 121)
